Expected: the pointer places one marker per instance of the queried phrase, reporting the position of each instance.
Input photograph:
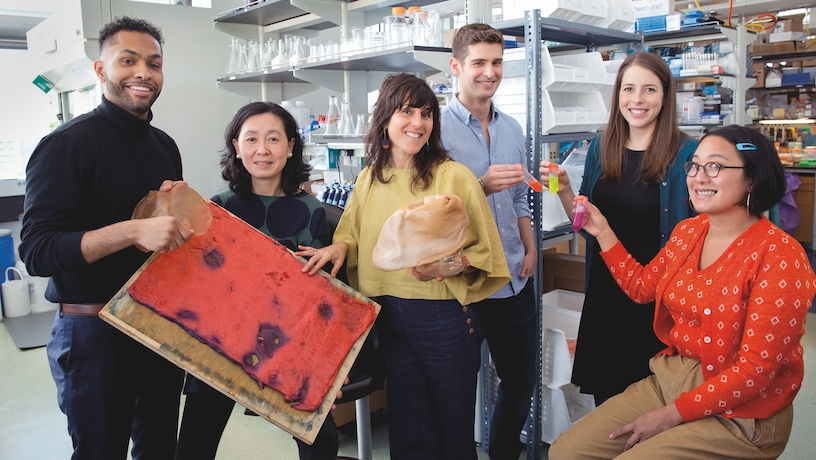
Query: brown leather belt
(82, 309)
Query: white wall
(190, 108)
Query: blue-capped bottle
(343, 197)
(325, 195)
(335, 198)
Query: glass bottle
(420, 29)
(399, 27)
(332, 116)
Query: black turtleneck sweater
(89, 173)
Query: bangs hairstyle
(667, 137)
(473, 34)
(296, 170)
(396, 92)
(130, 25)
(762, 167)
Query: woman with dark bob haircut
(428, 335)
(264, 165)
(732, 291)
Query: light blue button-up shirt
(462, 136)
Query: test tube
(531, 181)
(553, 177)
(578, 219)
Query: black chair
(368, 372)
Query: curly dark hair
(397, 91)
(761, 166)
(131, 25)
(294, 173)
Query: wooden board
(173, 343)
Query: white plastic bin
(621, 15)
(594, 12)
(573, 112)
(562, 407)
(573, 72)
(569, 10)
(553, 214)
(561, 315)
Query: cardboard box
(761, 49)
(564, 271)
(791, 24)
(784, 47)
(809, 63)
(786, 37)
(759, 74)
(448, 35)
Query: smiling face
(130, 69)
(726, 193)
(480, 73)
(264, 149)
(409, 130)
(640, 99)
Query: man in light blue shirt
(491, 145)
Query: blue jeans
(509, 325)
(112, 388)
(431, 351)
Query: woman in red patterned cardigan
(732, 291)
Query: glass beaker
(357, 38)
(332, 116)
(304, 44)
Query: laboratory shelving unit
(354, 73)
(534, 29)
(741, 39)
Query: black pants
(206, 413)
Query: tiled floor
(33, 428)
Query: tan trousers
(714, 437)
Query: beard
(118, 94)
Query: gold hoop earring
(748, 204)
(691, 205)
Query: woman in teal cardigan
(634, 173)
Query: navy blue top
(90, 173)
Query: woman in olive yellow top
(429, 337)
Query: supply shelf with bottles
(565, 81)
(736, 81)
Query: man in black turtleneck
(83, 181)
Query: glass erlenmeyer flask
(332, 116)
(360, 127)
(346, 126)
(242, 59)
(289, 41)
(253, 56)
(233, 59)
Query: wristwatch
(484, 189)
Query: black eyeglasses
(711, 169)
